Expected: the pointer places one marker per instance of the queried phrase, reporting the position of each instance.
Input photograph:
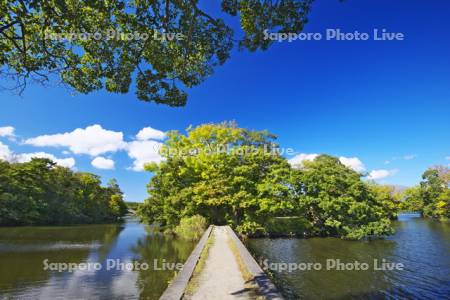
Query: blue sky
(386, 103)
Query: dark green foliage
(281, 226)
(40, 192)
(336, 202)
(162, 68)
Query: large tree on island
(31, 50)
(231, 175)
(221, 172)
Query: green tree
(434, 192)
(432, 196)
(411, 199)
(117, 205)
(337, 202)
(387, 197)
(40, 192)
(443, 205)
(31, 50)
(235, 176)
(218, 171)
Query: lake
(421, 246)
(24, 251)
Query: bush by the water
(191, 228)
(40, 192)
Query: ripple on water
(48, 247)
(422, 246)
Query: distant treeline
(40, 192)
(133, 205)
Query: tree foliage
(236, 176)
(411, 200)
(336, 202)
(40, 192)
(432, 196)
(217, 171)
(387, 197)
(162, 66)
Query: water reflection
(422, 246)
(158, 249)
(23, 250)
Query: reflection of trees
(327, 283)
(52, 234)
(153, 282)
(23, 250)
(111, 232)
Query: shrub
(191, 228)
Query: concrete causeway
(221, 276)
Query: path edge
(266, 288)
(177, 287)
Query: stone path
(221, 277)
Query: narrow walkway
(221, 277)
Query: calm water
(23, 250)
(422, 246)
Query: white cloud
(144, 152)
(379, 174)
(404, 157)
(300, 158)
(409, 156)
(7, 131)
(92, 140)
(5, 153)
(353, 163)
(103, 163)
(63, 162)
(149, 133)
(8, 155)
